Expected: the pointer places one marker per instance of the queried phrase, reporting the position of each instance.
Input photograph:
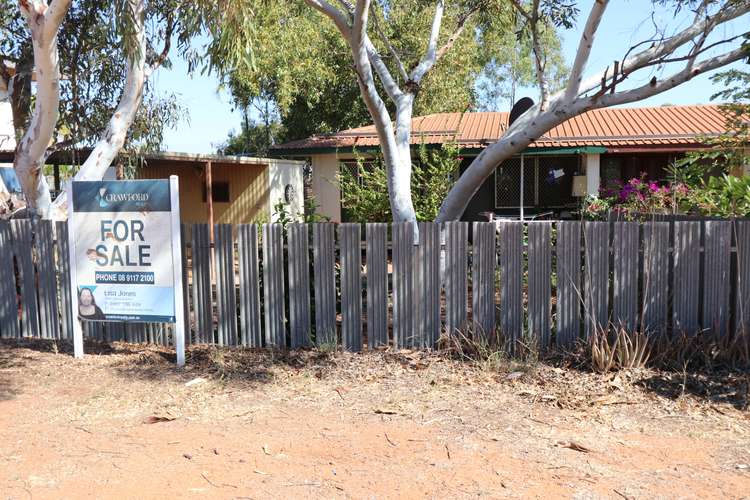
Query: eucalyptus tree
(701, 46)
(303, 67)
(107, 51)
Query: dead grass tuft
(620, 350)
(488, 353)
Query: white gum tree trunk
(400, 170)
(395, 138)
(113, 139)
(44, 22)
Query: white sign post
(125, 255)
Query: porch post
(522, 183)
(210, 202)
(592, 174)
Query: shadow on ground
(721, 387)
(259, 366)
(10, 360)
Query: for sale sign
(124, 266)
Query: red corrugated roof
(617, 128)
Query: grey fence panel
(325, 284)
(185, 284)
(135, 332)
(273, 285)
(716, 280)
(9, 328)
(742, 307)
(655, 277)
(403, 250)
(540, 282)
(49, 321)
(596, 304)
(625, 287)
(484, 262)
(96, 330)
(377, 284)
(350, 239)
(686, 291)
(569, 292)
(299, 285)
(456, 276)
(202, 288)
(429, 283)
(247, 247)
(21, 230)
(116, 331)
(511, 282)
(226, 292)
(63, 278)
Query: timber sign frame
(125, 254)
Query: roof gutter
(296, 152)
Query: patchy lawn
(124, 422)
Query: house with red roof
(572, 160)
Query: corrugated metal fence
(324, 284)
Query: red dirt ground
(123, 424)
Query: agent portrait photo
(87, 308)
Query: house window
(547, 181)
(219, 192)
(354, 167)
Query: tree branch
(430, 56)
(340, 19)
(389, 83)
(658, 86)
(584, 48)
(669, 45)
(165, 49)
(539, 57)
(460, 25)
(55, 14)
(391, 48)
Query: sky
(211, 116)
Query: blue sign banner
(121, 196)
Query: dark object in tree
(519, 108)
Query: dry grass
(488, 352)
(620, 350)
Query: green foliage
(364, 188)
(303, 63)
(595, 208)
(254, 139)
(729, 151)
(311, 215)
(508, 62)
(283, 216)
(364, 191)
(724, 196)
(95, 41)
(432, 178)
